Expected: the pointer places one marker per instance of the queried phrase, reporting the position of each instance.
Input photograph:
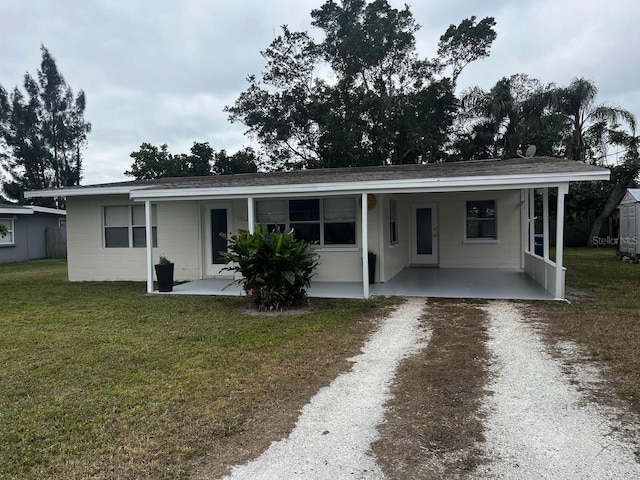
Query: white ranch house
(472, 222)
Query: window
(8, 239)
(393, 221)
(124, 226)
(330, 221)
(481, 219)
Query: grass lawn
(100, 380)
(604, 315)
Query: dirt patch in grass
(433, 428)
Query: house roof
(450, 176)
(12, 209)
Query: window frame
(481, 239)
(322, 221)
(10, 232)
(131, 226)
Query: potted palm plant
(164, 274)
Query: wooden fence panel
(56, 240)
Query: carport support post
(545, 222)
(251, 214)
(149, 235)
(532, 220)
(562, 191)
(365, 247)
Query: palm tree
(589, 123)
(512, 115)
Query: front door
(425, 234)
(217, 221)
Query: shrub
(276, 268)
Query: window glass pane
(271, 211)
(304, 210)
(138, 215)
(116, 216)
(218, 225)
(140, 237)
(473, 229)
(481, 209)
(424, 229)
(281, 227)
(339, 209)
(309, 232)
(8, 238)
(116, 237)
(339, 233)
(393, 210)
(393, 233)
(481, 219)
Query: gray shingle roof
(516, 166)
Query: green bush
(276, 268)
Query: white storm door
(424, 242)
(217, 219)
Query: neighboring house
(26, 225)
(459, 215)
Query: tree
(243, 161)
(504, 121)
(43, 133)
(466, 43)
(152, 162)
(588, 122)
(378, 104)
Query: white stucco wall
(178, 240)
(454, 250)
(182, 238)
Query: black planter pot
(164, 274)
(372, 268)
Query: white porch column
(562, 191)
(149, 235)
(365, 247)
(532, 220)
(251, 214)
(524, 224)
(545, 221)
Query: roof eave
(442, 184)
(84, 191)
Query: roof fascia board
(54, 211)
(16, 211)
(343, 193)
(431, 184)
(83, 192)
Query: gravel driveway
(538, 424)
(334, 432)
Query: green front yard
(100, 380)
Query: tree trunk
(614, 199)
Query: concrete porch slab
(412, 282)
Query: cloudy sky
(162, 71)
